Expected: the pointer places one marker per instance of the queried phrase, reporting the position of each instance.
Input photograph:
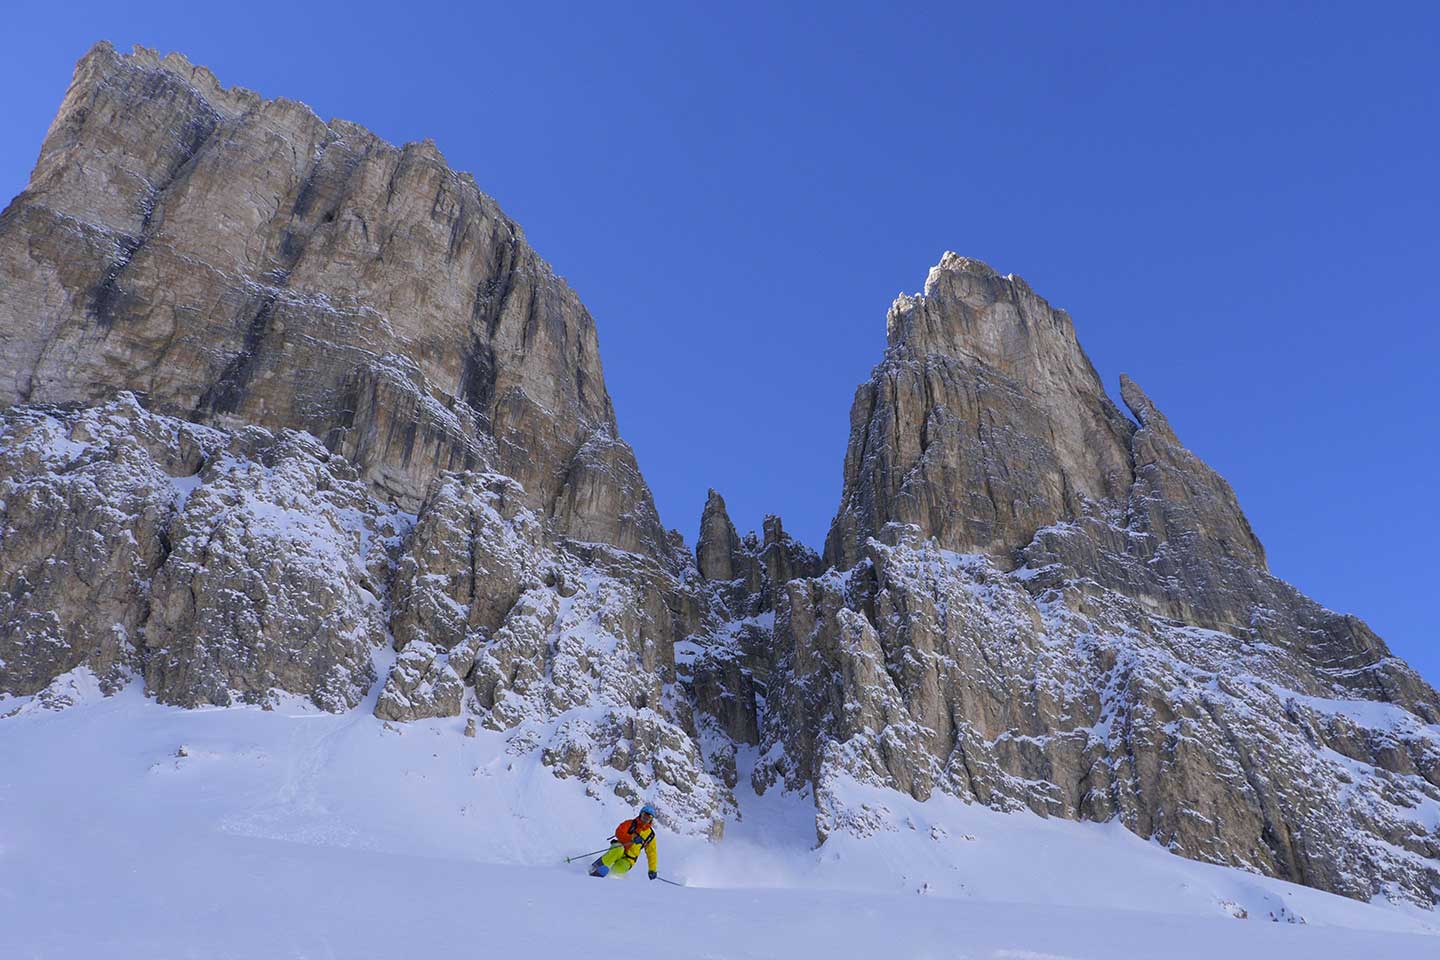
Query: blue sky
(1236, 202)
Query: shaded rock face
(1180, 542)
(234, 260)
(426, 681)
(725, 664)
(984, 422)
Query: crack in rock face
(287, 411)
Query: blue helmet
(648, 811)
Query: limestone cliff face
(984, 422)
(234, 260)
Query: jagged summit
(748, 570)
(1144, 409)
(718, 545)
(984, 422)
(979, 332)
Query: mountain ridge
(318, 422)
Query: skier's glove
(653, 874)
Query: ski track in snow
(284, 834)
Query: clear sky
(1236, 202)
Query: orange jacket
(632, 836)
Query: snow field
(129, 829)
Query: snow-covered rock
(84, 503)
(223, 566)
(274, 579)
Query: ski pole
(582, 856)
(671, 882)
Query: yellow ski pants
(615, 858)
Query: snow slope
(129, 829)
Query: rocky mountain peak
(1145, 410)
(236, 260)
(969, 309)
(747, 571)
(984, 422)
(716, 550)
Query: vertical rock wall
(235, 260)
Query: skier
(630, 837)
